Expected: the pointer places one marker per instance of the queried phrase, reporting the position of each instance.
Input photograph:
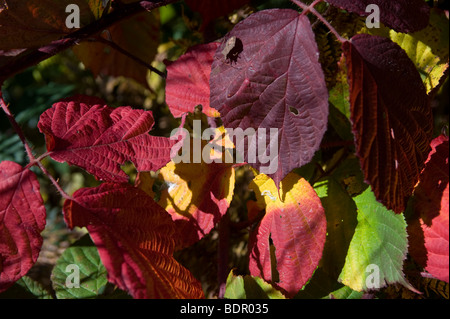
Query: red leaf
(431, 247)
(433, 180)
(22, 219)
(134, 236)
(297, 228)
(85, 132)
(401, 15)
(188, 81)
(276, 82)
(391, 117)
(436, 242)
(212, 9)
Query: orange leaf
(196, 195)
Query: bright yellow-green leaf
(250, 287)
(378, 247)
(427, 48)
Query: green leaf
(345, 293)
(339, 95)
(378, 247)
(26, 288)
(249, 287)
(340, 211)
(82, 255)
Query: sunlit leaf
(296, 225)
(135, 240)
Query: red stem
(311, 9)
(32, 159)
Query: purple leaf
(273, 81)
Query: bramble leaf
(436, 242)
(84, 132)
(249, 287)
(187, 82)
(80, 258)
(196, 195)
(135, 240)
(276, 84)
(22, 219)
(391, 117)
(427, 48)
(378, 247)
(297, 228)
(430, 246)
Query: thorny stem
(311, 9)
(16, 128)
(32, 159)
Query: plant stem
(33, 56)
(118, 48)
(32, 159)
(311, 9)
(224, 241)
(17, 128)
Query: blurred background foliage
(33, 91)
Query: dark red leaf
(22, 219)
(84, 132)
(135, 239)
(391, 117)
(401, 15)
(276, 82)
(187, 82)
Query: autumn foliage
(360, 176)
